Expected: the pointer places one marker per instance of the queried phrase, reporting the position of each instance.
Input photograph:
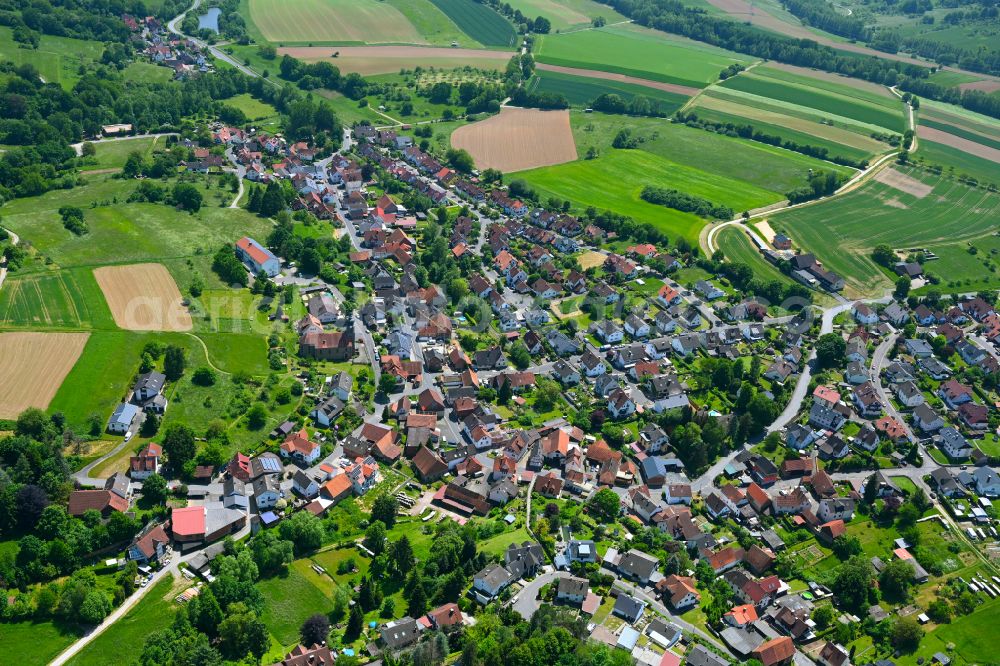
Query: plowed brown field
(143, 297)
(33, 366)
(518, 139)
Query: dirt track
(518, 139)
(611, 76)
(957, 142)
(143, 297)
(33, 367)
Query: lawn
(580, 91)
(147, 72)
(972, 636)
(639, 52)
(57, 59)
(990, 445)
(289, 599)
(905, 484)
(842, 233)
(151, 614)
(251, 107)
(627, 171)
(113, 154)
(498, 545)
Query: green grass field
(626, 172)
(638, 52)
(147, 72)
(799, 125)
(582, 90)
(57, 59)
(290, 599)
(830, 99)
(738, 248)
(113, 154)
(842, 233)
(958, 162)
(962, 132)
(479, 22)
(151, 614)
(567, 14)
(33, 642)
(252, 108)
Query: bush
(204, 376)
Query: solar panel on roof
(270, 464)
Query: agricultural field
(143, 297)
(368, 60)
(334, 21)
(582, 86)
(65, 299)
(639, 52)
(518, 139)
(57, 59)
(34, 366)
(479, 22)
(836, 101)
(912, 209)
(567, 14)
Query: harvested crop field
(903, 183)
(518, 139)
(33, 366)
(367, 60)
(143, 297)
(964, 145)
(984, 86)
(621, 78)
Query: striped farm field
(958, 161)
(909, 209)
(827, 97)
(334, 21)
(566, 14)
(639, 52)
(737, 247)
(776, 121)
(369, 60)
(46, 300)
(580, 91)
(479, 22)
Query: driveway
(527, 602)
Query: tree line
(684, 202)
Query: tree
(845, 547)
(154, 489)
(387, 383)
(417, 603)
(939, 611)
(242, 632)
(823, 616)
(519, 355)
(902, 289)
(401, 553)
(906, 633)
(384, 508)
(256, 416)
(304, 530)
(871, 490)
(272, 201)
(205, 613)
(179, 445)
(95, 607)
(203, 376)
(173, 362)
(884, 256)
(852, 582)
(895, 579)
(270, 552)
(355, 622)
(830, 350)
(150, 425)
(187, 197)
(315, 630)
(375, 537)
(606, 504)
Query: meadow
(113, 154)
(152, 613)
(842, 233)
(479, 22)
(639, 52)
(35, 642)
(57, 59)
(252, 108)
(828, 97)
(580, 91)
(737, 247)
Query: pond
(210, 20)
